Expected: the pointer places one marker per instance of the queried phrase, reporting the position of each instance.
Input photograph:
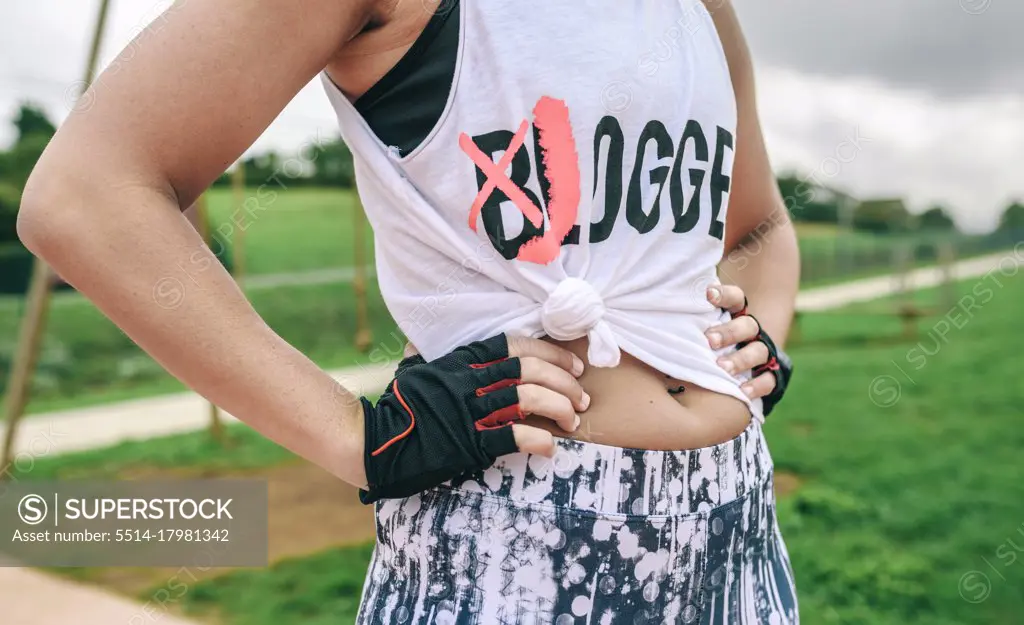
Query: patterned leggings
(597, 535)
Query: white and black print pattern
(598, 535)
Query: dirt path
(105, 425)
(29, 597)
(309, 511)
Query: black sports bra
(405, 105)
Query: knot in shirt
(575, 309)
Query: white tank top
(577, 184)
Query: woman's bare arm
(103, 206)
(762, 257)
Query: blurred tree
(224, 180)
(15, 260)
(1012, 219)
(882, 216)
(32, 120)
(265, 168)
(34, 131)
(323, 165)
(820, 212)
(808, 201)
(22, 158)
(332, 165)
(794, 191)
(10, 198)
(936, 218)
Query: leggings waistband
(589, 477)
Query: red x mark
(496, 178)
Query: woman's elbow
(67, 198)
(47, 216)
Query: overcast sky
(932, 91)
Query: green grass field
(290, 231)
(86, 359)
(910, 456)
(906, 456)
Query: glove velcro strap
(772, 365)
(743, 311)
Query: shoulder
(387, 31)
(754, 196)
(734, 43)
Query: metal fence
(846, 257)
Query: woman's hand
(458, 413)
(743, 328)
(547, 385)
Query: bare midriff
(631, 407)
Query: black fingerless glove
(782, 376)
(440, 419)
(778, 364)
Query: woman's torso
(653, 123)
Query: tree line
(810, 202)
(329, 164)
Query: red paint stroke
(562, 171)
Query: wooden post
(19, 382)
(947, 259)
(905, 293)
(364, 336)
(795, 333)
(37, 302)
(203, 221)
(845, 236)
(238, 234)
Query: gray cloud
(923, 58)
(953, 48)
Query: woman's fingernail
(715, 339)
(728, 366)
(586, 400)
(714, 295)
(576, 425)
(748, 390)
(577, 365)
